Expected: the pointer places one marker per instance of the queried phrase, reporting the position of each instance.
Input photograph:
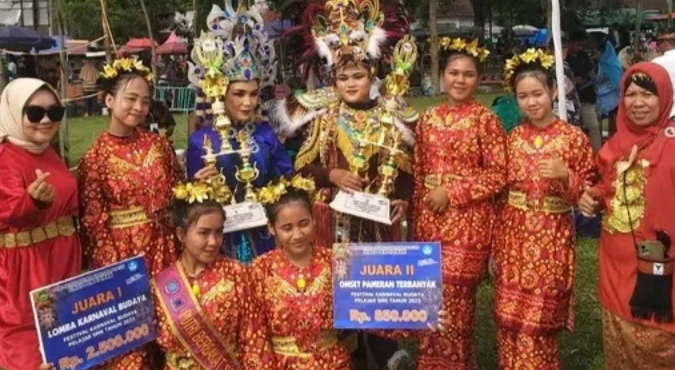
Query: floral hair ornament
(471, 48)
(273, 192)
(200, 191)
(126, 65)
(530, 58)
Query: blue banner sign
(91, 318)
(386, 285)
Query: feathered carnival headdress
(460, 45)
(348, 31)
(531, 59)
(274, 191)
(126, 65)
(235, 48)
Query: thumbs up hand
(553, 168)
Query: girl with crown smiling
(215, 291)
(232, 64)
(293, 288)
(340, 124)
(550, 162)
(459, 167)
(126, 179)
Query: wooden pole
(64, 136)
(638, 27)
(153, 62)
(433, 30)
(106, 33)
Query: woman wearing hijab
(637, 171)
(38, 204)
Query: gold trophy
(221, 192)
(248, 173)
(385, 138)
(209, 50)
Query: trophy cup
(248, 173)
(376, 205)
(209, 51)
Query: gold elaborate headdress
(274, 191)
(120, 66)
(461, 45)
(349, 31)
(530, 58)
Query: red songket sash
(189, 323)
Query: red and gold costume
(534, 253)
(125, 188)
(38, 242)
(372, 139)
(636, 206)
(296, 307)
(462, 149)
(223, 291)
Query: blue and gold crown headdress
(245, 51)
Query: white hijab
(12, 101)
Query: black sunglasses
(36, 113)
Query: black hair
(292, 195)
(642, 80)
(185, 214)
(533, 69)
(111, 86)
(578, 36)
(447, 56)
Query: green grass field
(581, 350)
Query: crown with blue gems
(235, 48)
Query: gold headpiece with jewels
(537, 57)
(273, 192)
(349, 31)
(120, 66)
(461, 45)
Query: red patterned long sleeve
(258, 354)
(580, 167)
(462, 149)
(491, 155)
(173, 168)
(93, 210)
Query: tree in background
(125, 16)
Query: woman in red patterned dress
(458, 171)
(38, 204)
(637, 178)
(549, 164)
(126, 179)
(216, 288)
